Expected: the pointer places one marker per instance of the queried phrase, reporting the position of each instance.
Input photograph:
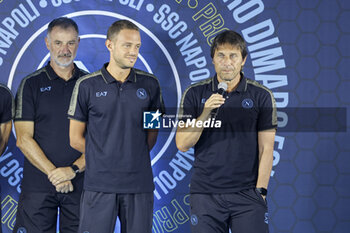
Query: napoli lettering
(20, 16)
(188, 46)
(168, 179)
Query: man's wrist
(75, 168)
(262, 191)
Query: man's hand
(187, 137)
(60, 175)
(214, 101)
(65, 187)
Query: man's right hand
(65, 187)
(187, 137)
(214, 101)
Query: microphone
(222, 88)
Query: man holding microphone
(233, 163)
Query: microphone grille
(223, 86)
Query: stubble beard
(229, 77)
(67, 64)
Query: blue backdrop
(298, 48)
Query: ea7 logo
(101, 93)
(43, 89)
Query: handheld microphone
(222, 88)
